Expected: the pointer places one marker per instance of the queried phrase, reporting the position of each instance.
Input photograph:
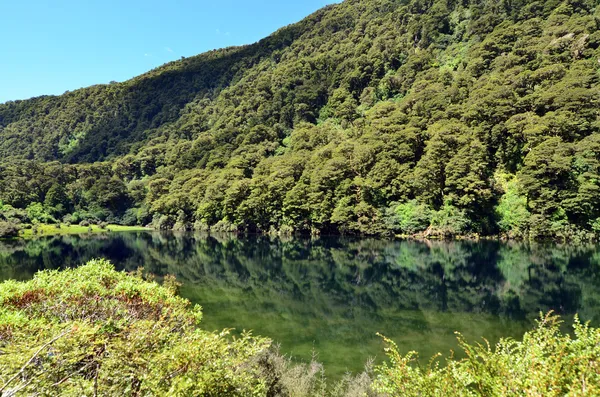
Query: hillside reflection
(333, 294)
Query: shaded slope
(102, 121)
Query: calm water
(332, 295)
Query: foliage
(546, 362)
(512, 213)
(449, 221)
(38, 214)
(93, 330)
(8, 230)
(411, 217)
(324, 125)
(12, 215)
(596, 225)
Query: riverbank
(44, 230)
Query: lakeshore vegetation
(95, 331)
(434, 118)
(10, 230)
(371, 117)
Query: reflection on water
(332, 295)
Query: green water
(330, 296)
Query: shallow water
(331, 296)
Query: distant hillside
(369, 116)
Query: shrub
(596, 226)
(284, 377)
(84, 223)
(411, 217)
(84, 216)
(163, 222)
(201, 226)
(69, 219)
(103, 225)
(96, 331)
(37, 213)
(513, 216)
(130, 217)
(449, 221)
(8, 230)
(135, 217)
(224, 226)
(545, 363)
(12, 215)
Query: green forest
(372, 117)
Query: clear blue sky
(50, 46)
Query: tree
(8, 230)
(57, 202)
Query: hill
(438, 117)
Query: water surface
(330, 296)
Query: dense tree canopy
(482, 116)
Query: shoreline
(48, 230)
(53, 230)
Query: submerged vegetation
(95, 331)
(436, 118)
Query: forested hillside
(440, 117)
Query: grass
(54, 230)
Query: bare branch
(45, 345)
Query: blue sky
(51, 46)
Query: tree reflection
(333, 294)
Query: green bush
(545, 363)
(37, 213)
(411, 217)
(449, 221)
(225, 227)
(96, 331)
(136, 217)
(163, 222)
(12, 215)
(79, 217)
(596, 226)
(8, 230)
(511, 211)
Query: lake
(330, 296)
